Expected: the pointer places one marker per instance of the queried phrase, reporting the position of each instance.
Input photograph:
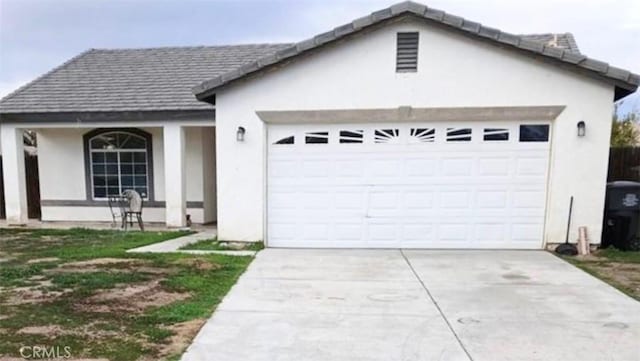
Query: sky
(37, 35)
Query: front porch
(171, 164)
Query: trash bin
(622, 216)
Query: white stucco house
(409, 127)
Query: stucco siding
(62, 174)
(102, 214)
(209, 176)
(61, 164)
(453, 71)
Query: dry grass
(80, 289)
(618, 268)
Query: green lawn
(618, 268)
(216, 245)
(79, 288)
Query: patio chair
(117, 206)
(133, 209)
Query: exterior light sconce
(582, 128)
(240, 134)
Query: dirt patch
(53, 331)
(155, 270)
(31, 295)
(4, 257)
(184, 333)
(198, 263)
(131, 298)
(43, 260)
(49, 239)
(98, 264)
(104, 262)
(37, 278)
(49, 330)
(624, 275)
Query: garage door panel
(382, 232)
(386, 168)
(416, 200)
(282, 200)
(315, 168)
(531, 166)
(282, 232)
(353, 232)
(494, 167)
(406, 193)
(419, 167)
(457, 232)
(491, 199)
(316, 231)
(309, 200)
(526, 232)
(456, 167)
(282, 169)
(354, 199)
(350, 168)
(455, 199)
(491, 232)
(418, 232)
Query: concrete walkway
(174, 245)
(418, 305)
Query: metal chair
(133, 209)
(117, 206)
(125, 208)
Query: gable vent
(407, 52)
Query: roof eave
(116, 116)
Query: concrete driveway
(304, 305)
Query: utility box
(622, 216)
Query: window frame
(88, 170)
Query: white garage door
(431, 185)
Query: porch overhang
(111, 117)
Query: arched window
(118, 161)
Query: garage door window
(286, 140)
(422, 135)
(387, 135)
(458, 134)
(351, 136)
(317, 138)
(534, 133)
(496, 134)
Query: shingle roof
(131, 79)
(625, 81)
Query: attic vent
(407, 52)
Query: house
(409, 127)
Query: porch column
(15, 189)
(175, 176)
